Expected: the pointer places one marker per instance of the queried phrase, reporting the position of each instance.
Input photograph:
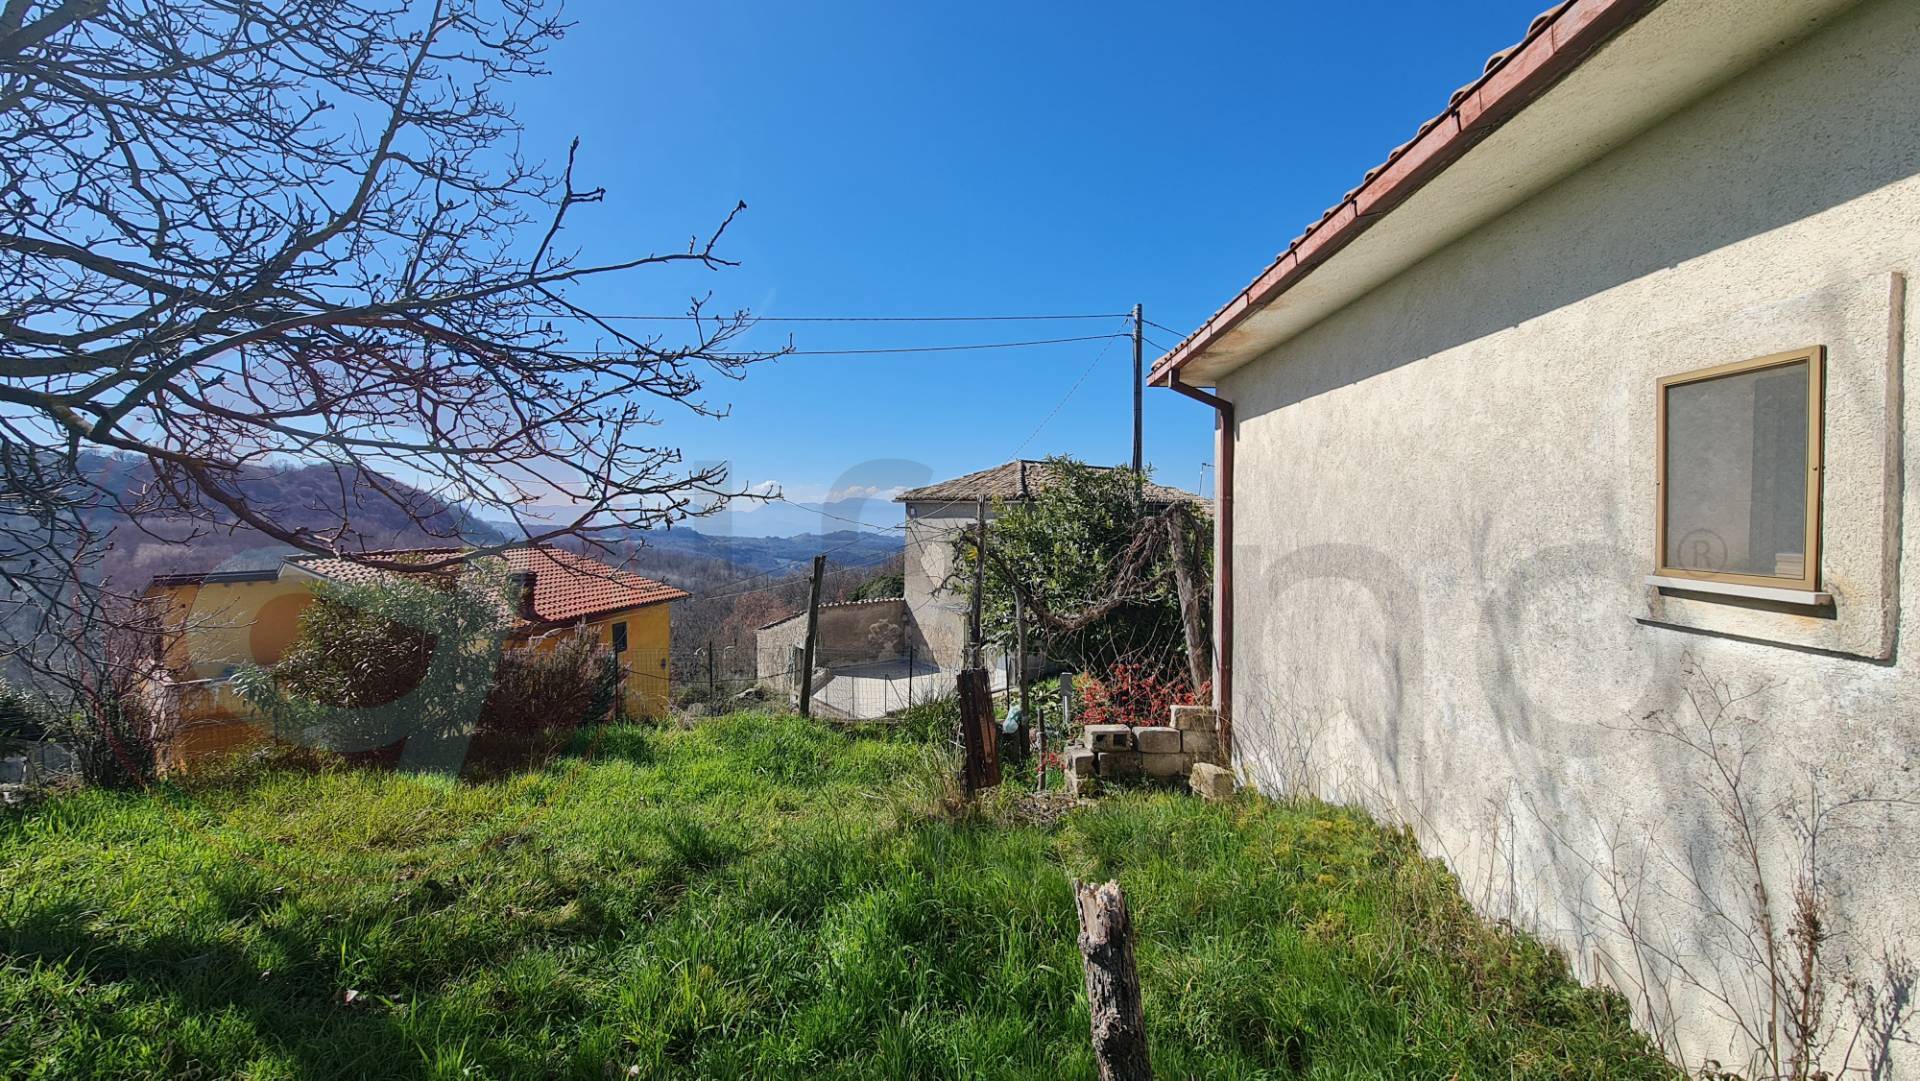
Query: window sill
(1803, 597)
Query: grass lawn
(758, 896)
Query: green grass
(758, 896)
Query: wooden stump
(979, 735)
(1113, 983)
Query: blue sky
(916, 159)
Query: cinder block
(1157, 740)
(1203, 746)
(1109, 737)
(1077, 762)
(1210, 781)
(1082, 787)
(1193, 718)
(1114, 764)
(1165, 765)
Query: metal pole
(813, 628)
(1139, 386)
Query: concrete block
(1077, 762)
(1193, 718)
(1210, 781)
(1115, 764)
(1157, 740)
(1082, 787)
(1109, 737)
(1165, 765)
(1203, 746)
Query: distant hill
(313, 496)
(757, 555)
(738, 583)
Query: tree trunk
(1113, 983)
(1193, 616)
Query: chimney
(523, 590)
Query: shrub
(374, 666)
(539, 698)
(1136, 695)
(112, 737)
(23, 717)
(881, 586)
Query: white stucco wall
(939, 615)
(1445, 512)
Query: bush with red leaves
(1135, 694)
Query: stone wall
(851, 632)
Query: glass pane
(1736, 483)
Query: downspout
(1223, 440)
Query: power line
(947, 348)
(750, 318)
(1061, 404)
(775, 354)
(1178, 334)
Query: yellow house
(213, 623)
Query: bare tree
(236, 234)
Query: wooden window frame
(1815, 357)
(617, 636)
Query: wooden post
(1021, 739)
(981, 760)
(1186, 585)
(1113, 983)
(979, 579)
(711, 685)
(813, 628)
(1066, 724)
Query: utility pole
(813, 628)
(1139, 385)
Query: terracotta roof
(567, 586)
(1556, 42)
(1017, 480)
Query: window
(1740, 472)
(620, 637)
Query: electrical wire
(947, 348)
(775, 354)
(750, 318)
(1178, 334)
(1061, 404)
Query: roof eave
(1557, 45)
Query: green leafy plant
(418, 671)
(408, 659)
(1094, 568)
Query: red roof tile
(567, 586)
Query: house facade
(215, 622)
(939, 515)
(875, 657)
(1567, 497)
